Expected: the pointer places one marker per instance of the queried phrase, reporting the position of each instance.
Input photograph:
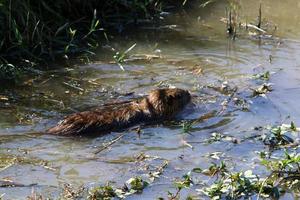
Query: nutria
(160, 104)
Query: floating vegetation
(240, 185)
(102, 193)
(215, 169)
(197, 70)
(7, 183)
(280, 135)
(187, 126)
(74, 85)
(141, 57)
(7, 161)
(156, 173)
(72, 193)
(136, 185)
(217, 137)
(186, 182)
(262, 90)
(224, 89)
(242, 103)
(107, 145)
(284, 171)
(163, 84)
(132, 186)
(263, 76)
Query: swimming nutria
(160, 104)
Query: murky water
(193, 52)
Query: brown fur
(160, 104)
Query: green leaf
(197, 170)
(293, 126)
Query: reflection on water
(197, 55)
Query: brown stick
(109, 144)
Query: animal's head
(168, 102)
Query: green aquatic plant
(286, 170)
(280, 135)
(215, 191)
(106, 192)
(132, 186)
(120, 57)
(215, 137)
(7, 160)
(44, 31)
(187, 126)
(190, 198)
(293, 126)
(262, 90)
(186, 182)
(241, 103)
(215, 169)
(159, 170)
(263, 76)
(283, 176)
(240, 185)
(136, 184)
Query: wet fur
(160, 104)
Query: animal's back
(99, 120)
